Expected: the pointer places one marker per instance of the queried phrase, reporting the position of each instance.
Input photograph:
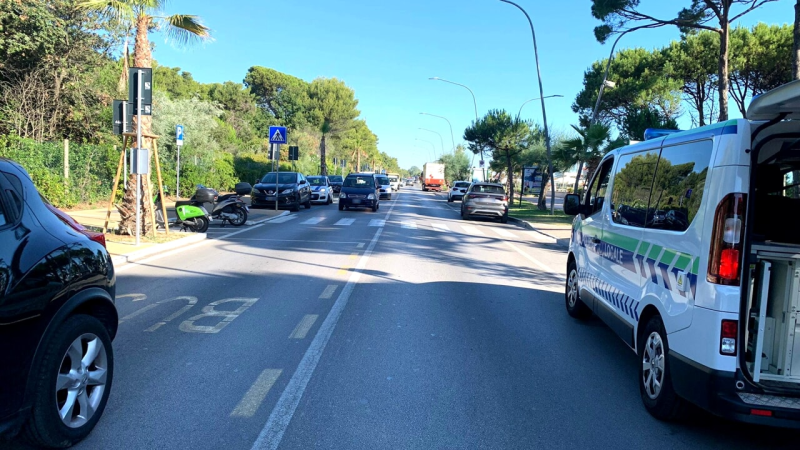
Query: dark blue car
(359, 190)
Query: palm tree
(143, 15)
(585, 148)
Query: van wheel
(575, 306)
(72, 382)
(655, 383)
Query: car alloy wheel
(653, 365)
(81, 380)
(572, 288)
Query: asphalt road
(423, 331)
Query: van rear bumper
(715, 391)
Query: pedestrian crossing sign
(277, 135)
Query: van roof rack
(652, 133)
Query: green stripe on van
(654, 251)
(668, 256)
(683, 262)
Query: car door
(624, 223)
(304, 188)
(590, 231)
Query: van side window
(631, 192)
(597, 191)
(678, 185)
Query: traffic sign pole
(179, 143)
(138, 146)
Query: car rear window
(335, 179)
(359, 182)
(484, 189)
(462, 185)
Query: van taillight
(727, 338)
(725, 254)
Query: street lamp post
(452, 140)
(537, 98)
(433, 147)
(474, 102)
(441, 141)
(544, 111)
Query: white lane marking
(312, 221)
(284, 219)
(328, 292)
(252, 400)
(345, 222)
(439, 226)
(504, 233)
(272, 433)
(226, 317)
(138, 312)
(530, 258)
(409, 225)
(360, 245)
(134, 297)
(472, 230)
(297, 240)
(304, 326)
(377, 223)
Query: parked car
(704, 287)
(321, 191)
(458, 190)
(336, 183)
(291, 191)
(360, 190)
(385, 186)
(485, 200)
(57, 318)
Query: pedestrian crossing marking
(345, 222)
(313, 221)
(409, 225)
(284, 218)
(328, 292)
(504, 233)
(377, 223)
(472, 230)
(440, 226)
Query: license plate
(271, 198)
(356, 202)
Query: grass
(530, 212)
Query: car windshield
(359, 182)
(335, 179)
(462, 185)
(284, 178)
(488, 189)
(316, 181)
(394, 179)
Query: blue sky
(386, 51)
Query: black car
(360, 190)
(57, 318)
(292, 190)
(336, 183)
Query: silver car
(386, 186)
(485, 200)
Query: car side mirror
(302, 181)
(572, 205)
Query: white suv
(687, 246)
(458, 190)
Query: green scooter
(190, 217)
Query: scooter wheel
(201, 224)
(241, 217)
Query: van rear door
(782, 100)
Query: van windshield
(359, 182)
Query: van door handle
(595, 240)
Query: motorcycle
(228, 207)
(190, 216)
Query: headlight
(323, 190)
(287, 191)
(371, 197)
(342, 195)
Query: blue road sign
(179, 134)
(277, 135)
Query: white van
(688, 246)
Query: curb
(562, 242)
(159, 248)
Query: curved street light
(474, 102)
(544, 111)
(433, 146)
(537, 98)
(441, 141)
(452, 140)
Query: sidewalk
(558, 226)
(560, 232)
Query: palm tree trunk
(323, 168)
(122, 86)
(796, 52)
(578, 177)
(141, 58)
